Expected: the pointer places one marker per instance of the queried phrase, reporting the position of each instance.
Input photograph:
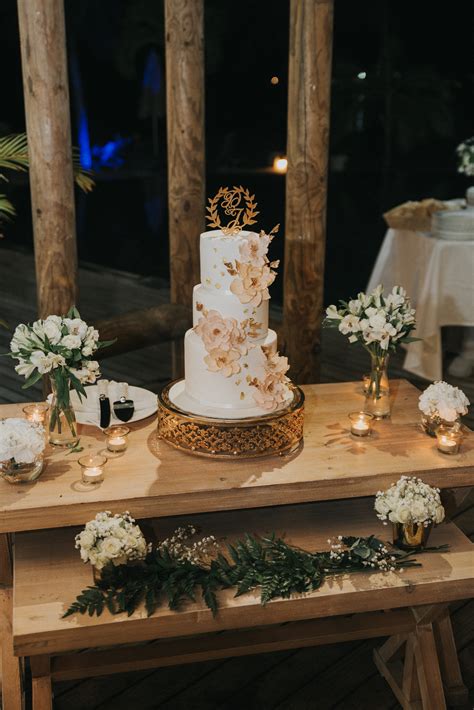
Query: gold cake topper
(235, 202)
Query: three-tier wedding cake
(232, 366)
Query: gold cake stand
(266, 435)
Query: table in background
(439, 278)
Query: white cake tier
(217, 248)
(214, 388)
(229, 306)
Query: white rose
(76, 326)
(403, 514)
(110, 547)
(439, 514)
(71, 342)
(52, 329)
(87, 350)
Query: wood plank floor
(341, 676)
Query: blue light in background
(84, 141)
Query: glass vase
(14, 472)
(377, 398)
(411, 536)
(62, 425)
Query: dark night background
(393, 134)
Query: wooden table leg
(42, 698)
(429, 673)
(456, 692)
(12, 695)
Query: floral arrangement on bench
(181, 566)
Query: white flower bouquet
(21, 441)
(409, 501)
(443, 402)
(111, 539)
(465, 153)
(377, 321)
(61, 348)
(380, 323)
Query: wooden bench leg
(456, 692)
(12, 695)
(401, 677)
(428, 670)
(42, 698)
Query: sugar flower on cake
(410, 500)
(251, 283)
(277, 364)
(443, 401)
(253, 250)
(215, 330)
(270, 392)
(224, 361)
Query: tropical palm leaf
(14, 156)
(6, 207)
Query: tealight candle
(361, 423)
(92, 468)
(449, 439)
(36, 412)
(117, 438)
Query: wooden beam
(184, 34)
(46, 91)
(309, 85)
(148, 326)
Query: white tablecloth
(439, 277)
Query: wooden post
(184, 33)
(309, 85)
(45, 87)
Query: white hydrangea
(111, 539)
(20, 440)
(444, 401)
(379, 322)
(409, 501)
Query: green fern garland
(269, 564)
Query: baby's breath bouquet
(413, 507)
(111, 540)
(62, 348)
(380, 323)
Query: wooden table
(153, 480)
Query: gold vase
(377, 396)
(431, 423)
(411, 536)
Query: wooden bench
(409, 607)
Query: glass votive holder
(92, 468)
(36, 412)
(117, 438)
(449, 439)
(361, 423)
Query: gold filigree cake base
(265, 435)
